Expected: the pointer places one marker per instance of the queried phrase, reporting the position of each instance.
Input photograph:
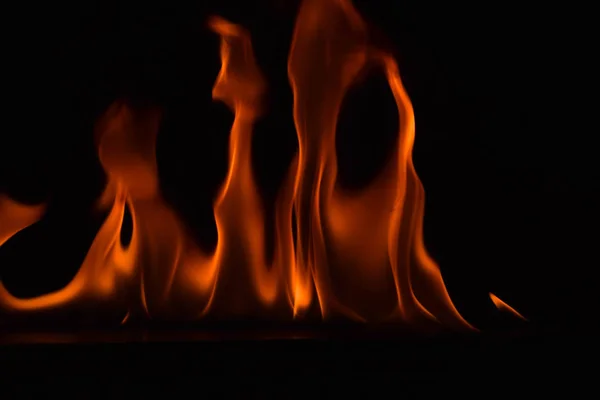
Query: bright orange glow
(501, 305)
(359, 255)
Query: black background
(511, 184)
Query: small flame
(125, 318)
(105, 261)
(502, 306)
(16, 217)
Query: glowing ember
(356, 255)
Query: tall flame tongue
(238, 208)
(369, 232)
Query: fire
(357, 255)
(501, 305)
(16, 217)
(329, 49)
(105, 261)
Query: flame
(105, 261)
(161, 255)
(381, 228)
(356, 254)
(501, 305)
(238, 208)
(162, 247)
(16, 217)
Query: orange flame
(104, 262)
(501, 305)
(160, 245)
(381, 227)
(359, 255)
(16, 217)
(238, 208)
